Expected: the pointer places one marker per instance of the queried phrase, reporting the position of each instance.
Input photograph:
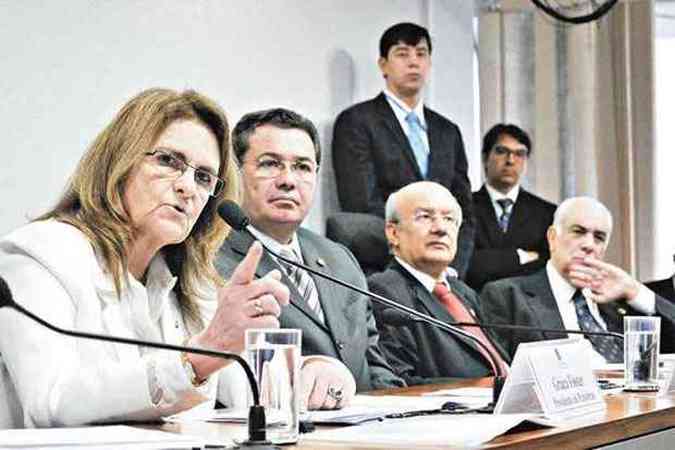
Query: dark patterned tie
(608, 347)
(505, 204)
(303, 282)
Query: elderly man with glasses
(511, 222)
(279, 154)
(423, 222)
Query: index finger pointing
(245, 271)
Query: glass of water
(274, 356)
(641, 352)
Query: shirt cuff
(645, 301)
(524, 257)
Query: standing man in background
(511, 223)
(393, 140)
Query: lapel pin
(321, 262)
(621, 311)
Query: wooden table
(627, 416)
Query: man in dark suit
(576, 289)
(511, 223)
(665, 288)
(279, 154)
(393, 140)
(423, 219)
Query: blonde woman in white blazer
(128, 251)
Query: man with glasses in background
(511, 223)
(279, 154)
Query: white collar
(276, 246)
(497, 195)
(401, 109)
(425, 279)
(562, 290)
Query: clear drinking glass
(641, 352)
(274, 356)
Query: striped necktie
(505, 204)
(303, 283)
(608, 347)
(415, 132)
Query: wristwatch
(190, 370)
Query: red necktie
(460, 313)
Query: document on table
(98, 437)
(460, 430)
(363, 408)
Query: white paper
(446, 430)
(465, 392)
(552, 378)
(103, 437)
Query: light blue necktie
(415, 132)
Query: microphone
(257, 436)
(397, 318)
(231, 213)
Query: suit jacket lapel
(241, 242)
(484, 208)
(433, 306)
(542, 302)
(390, 122)
(519, 214)
(332, 311)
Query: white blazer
(47, 379)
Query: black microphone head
(231, 213)
(5, 294)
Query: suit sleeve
(354, 167)
(461, 189)
(666, 310)
(381, 374)
(489, 264)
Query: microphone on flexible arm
(396, 317)
(231, 213)
(257, 436)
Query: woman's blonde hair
(93, 199)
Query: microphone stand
(232, 214)
(257, 436)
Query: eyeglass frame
(217, 188)
(286, 165)
(502, 150)
(435, 217)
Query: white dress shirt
(54, 380)
(425, 279)
(495, 195)
(278, 247)
(401, 110)
(563, 292)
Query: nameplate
(553, 378)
